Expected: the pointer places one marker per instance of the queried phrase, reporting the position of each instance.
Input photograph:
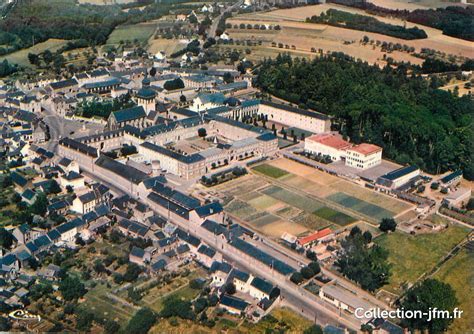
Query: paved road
(60, 127)
(310, 305)
(215, 21)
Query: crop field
(304, 36)
(140, 32)
(169, 46)
(293, 199)
(361, 206)
(285, 196)
(334, 216)
(340, 192)
(413, 255)
(20, 57)
(271, 171)
(458, 273)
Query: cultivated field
(413, 255)
(169, 46)
(459, 274)
(304, 36)
(340, 192)
(285, 196)
(20, 57)
(140, 32)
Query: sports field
(413, 255)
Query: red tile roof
(366, 149)
(330, 139)
(315, 236)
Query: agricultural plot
(20, 57)
(99, 302)
(301, 36)
(334, 216)
(140, 32)
(292, 198)
(361, 206)
(413, 255)
(270, 171)
(169, 46)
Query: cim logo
(24, 315)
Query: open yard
(413, 255)
(20, 57)
(458, 272)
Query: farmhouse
(313, 239)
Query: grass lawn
(20, 57)
(140, 31)
(334, 216)
(101, 305)
(458, 272)
(413, 255)
(270, 171)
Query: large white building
(311, 121)
(363, 156)
(360, 156)
(330, 144)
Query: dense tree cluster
(413, 122)
(366, 266)
(429, 295)
(6, 68)
(454, 21)
(174, 84)
(31, 22)
(348, 20)
(103, 109)
(141, 322)
(72, 288)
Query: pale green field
(413, 255)
(20, 57)
(141, 31)
(458, 272)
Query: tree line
(342, 19)
(453, 21)
(413, 122)
(32, 22)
